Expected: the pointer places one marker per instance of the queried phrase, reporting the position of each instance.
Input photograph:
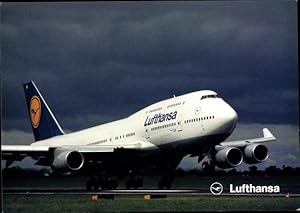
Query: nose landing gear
(208, 167)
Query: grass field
(136, 203)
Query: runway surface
(78, 191)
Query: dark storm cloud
(96, 62)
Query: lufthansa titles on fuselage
(160, 117)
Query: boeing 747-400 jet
(159, 135)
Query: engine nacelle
(228, 157)
(255, 153)
(67, 160)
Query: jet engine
(67, 160)
(228, 157)
(255, 153)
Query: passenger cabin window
(209, 96)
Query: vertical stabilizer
(43, 122)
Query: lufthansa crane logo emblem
(216, 188)
(197, 110)
(35, 111)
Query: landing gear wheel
(104, 183)
(168, 185)
(160, 185)
(134, 183)
(93, 182)
(88, 185)
(205, 166)
(111, 184)
(96, 187)
(165, 182)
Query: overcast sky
(100, 61)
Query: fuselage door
(179, 122)
(147, 133)
(147, 128)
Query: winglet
(267, 133)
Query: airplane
(195, 124)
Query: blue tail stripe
(43, 122)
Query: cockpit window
(209, 96)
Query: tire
(128, 185)
(206, 167)
(96, 187)
(160, 185)
(168, 185)
(88, 185)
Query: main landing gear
(165, 182)
(103, 182)
(167, 171)
(134, 181)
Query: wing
(44, 154)
(267, 137)
(136, 145)
(251, 151)
(12, 153)
(116, 155)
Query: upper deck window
(209, 96)
(154, 110)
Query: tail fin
(43, 122)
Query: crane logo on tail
(35, 111)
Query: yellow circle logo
(35, 111)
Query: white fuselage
(178, 121)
